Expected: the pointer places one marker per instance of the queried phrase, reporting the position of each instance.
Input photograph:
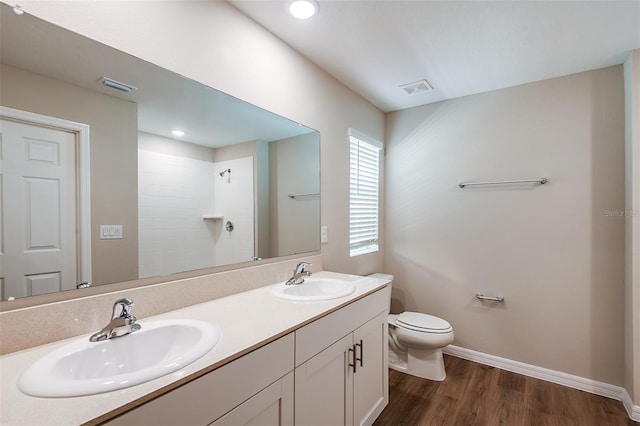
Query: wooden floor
(476, 394)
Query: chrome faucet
(83, 284)
(299, 273)
(122, 322)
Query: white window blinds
(364, 194)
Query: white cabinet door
(370, 382)
(324, 385)
(273, 406)
(331, 390)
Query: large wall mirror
(97, 188)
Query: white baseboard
(632, 410)
(564, 379)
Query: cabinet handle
(353, 349)
(361, 353)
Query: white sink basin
(85, 368)
(315, 289)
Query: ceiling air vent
(112, 84)
(416, 87)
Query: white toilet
(415, 344)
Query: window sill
(364, 250)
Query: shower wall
(233, 201)
(184, 206)
(174, 192)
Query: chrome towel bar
(294, 196)
(492, 298)
(541, 181)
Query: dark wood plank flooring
(479, 395)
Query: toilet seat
(423, 323)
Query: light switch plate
(111, 232)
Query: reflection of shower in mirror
(222, 173)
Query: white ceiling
(460, 47)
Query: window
(364, 193)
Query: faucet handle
(122, 308)
(300, 269)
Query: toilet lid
(422, 322)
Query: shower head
(224, 171)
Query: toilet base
(424, 363)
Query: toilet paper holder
(492, 298)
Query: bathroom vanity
(277, 362)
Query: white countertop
(246, 321)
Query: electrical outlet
(323, 234)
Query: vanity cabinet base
(330, 371)
(213, 395)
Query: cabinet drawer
(320, 334)
(211, 396)
(272, 406)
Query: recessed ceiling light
(177, 132)
(416, 87)
(303, 9)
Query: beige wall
(213, 43)
(554, 251)
(113, 144)
(294, 223)
(632, 226)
